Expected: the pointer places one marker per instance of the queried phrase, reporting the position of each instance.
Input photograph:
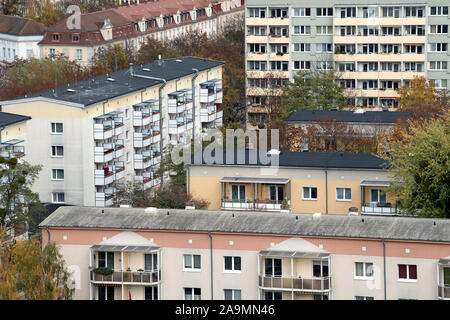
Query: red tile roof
(20, 26)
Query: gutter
(211, 255)
(384, 266)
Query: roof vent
(317, 215)
(71, 90)
(125, 206)
(189, 208)
(274, 152)
(146, 69)
(150, 209)
(111, 79)
(359, 111)
(179, 61)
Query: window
(438, 65)
(328, 30)
(278, 13)
(438, 11)
(324, 47)
(192, 294)
(302, 47)
(279, 65)
(413, 49)
(257, 48)
(324, 12)
(276, 193)
(257, 65)
(348, 12)
(320, 297)
(415, 30)
(324, 65)
(79, 54)
(309, 193)
(392, 12)
(369, 84)
(363, 298)
(105, 293)
(55, 37)
(257, 31)
(279, 48)
(439, 29)
(378, 195)
(232, 294)
(303, 30)
(368, 31)
(57, 151)
(58, 197)
(414, 12)
(440, 83)
(272, 267)
(151, 262)
(320, 268)
(278, 31)
(438, 47)
(257, 12)
(363, 270)
(56, 127)
(369, 12)
(75, 38)
(232, 263)
(238, 192)
(407, 272)
(272, 295)
(344, 194)
(302, 65)
(151, 293)
(57, 174)
(192, 262)
(302, 12)
(106, 259)
(347, 31)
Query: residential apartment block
(19, 38)
(300, 182)
(94, 135)
(13, 129)
(375, 46)
(157, 254)
(131, 24)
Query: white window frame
(56, 152)
(364, 276)
(233, 293)
(439, 14)
(55, 174)
(310, 198)
(192, 263)
(364, 298)
(233, 270)
(57, 200)
(344, 199)
(192, 293)
(56, 132)
(407, 279)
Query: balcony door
(320, 269)
(106, 259)
(151, 262)
(105, 293)
(238, 192)
(276, 193)
(151, 293)
(447, 276)
(272, 267)
(377, 195)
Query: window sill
(192, 270)
(363, 278)
(339, 200)
(407, 280)
(309, 199)
(57, 133)
(231, 271)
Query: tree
(29, 272)
(17, 201)
(313, 90)
(111, 59)
(418, 160)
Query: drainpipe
(326, 191)
(187, 180)
(211, 254)
(384, 266)
(193, 101)
(1, 129)
(48, 233)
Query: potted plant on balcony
(284, 207)
(103, 271)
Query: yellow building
(13, 129)
(303, 182)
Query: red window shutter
(402, 271)
(412, 271)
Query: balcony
(211, 91)
(118, 126)
(180, 125)
(119, 169)
(9, 149)
(103, 131)
(180, 101)
(313, 285)
(145, 112)
(263, 205)
(147, 179)
(108, 125)
(104, 154)
(380, 200)
(444, 292)
(146, 138)
(378, 208)
(119, 148)
(104, 199)
(127, 277)
(444, 278)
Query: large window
(257, 12)
(320, 268)
(302, 65)
(232, 263)
(106, 259)
(151, 293)
(363, 270)
(438, 65)
(302, 12)
(192, 262)
(105, 293)
(324, 12)
(309, 193)
(192, 294)
(438, 47)
(272, 295)
(151, 262)
(407, 272)
(276, 193)
(232, 294)
(348, 12)
(378, 195)
(272, 267)
(238, 192)
(302, 30)
(439, 29)
(344, 194)
(391, 12)
(302, 47)
(438, 11)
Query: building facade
(94, 135)
(129, 25)
(374, 46)
(191, 255)
(301, 182)
(19, 38)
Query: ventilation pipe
(194, 101)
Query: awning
(111, 248)
(414, 44)
(12, 142)
(255, 180)
(367, 183)
(294, 254)
(445, 261)
(107, 284)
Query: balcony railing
(444, 291)
(127, 277)
(104, 199)
(378, 208)
(316, 284)
(13, 152)
(269, 205)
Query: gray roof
(399, 228)
(7, 119)
(347, 116)
(99, 89)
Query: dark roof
(99, 89)
(7, 119)
(398, 228)
(330, 160)
(20, 26)
(347, 116)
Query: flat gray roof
(398, 228)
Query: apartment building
(162, 254)
(130, 25)
(94, 135)
(19, 38)
(13, 129)
(374, 46)
(301, 182)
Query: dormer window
(75, 37)
(55, 37)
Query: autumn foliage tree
(30, 272)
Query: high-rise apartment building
(94, 135)
(375, 46)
